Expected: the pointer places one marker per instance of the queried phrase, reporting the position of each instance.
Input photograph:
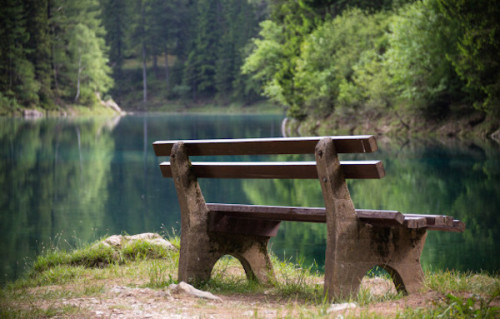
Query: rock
(496, 136)
(115, 241)
(111, 104)
(184, 288)
(32, 114)
(119, 241)
(341, 306)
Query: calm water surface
(67, 182)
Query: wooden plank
(435, 220)
(302, 170)
(303, 214)
(276, 213)
(268, 146)
(458, 226)
(318, 215)
(380, 217)
(414, 222)
(221, 223)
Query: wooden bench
(357, 239)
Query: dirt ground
(120, 301)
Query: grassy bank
(101, 281)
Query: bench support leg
(353, 248)
(200, 248)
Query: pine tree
(200, 66)
(39, 47)
(17, 73)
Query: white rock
(118, 240)
(341, 306)
(115, 241)
(183, 287)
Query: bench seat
(318, 215)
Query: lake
(68, 182)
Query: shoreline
(392, 125)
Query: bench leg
(353, 248)
(200, 249)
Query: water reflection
(70, 181)
(54, 182)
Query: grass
(297, 291)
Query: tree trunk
(144, 66)
(167, 70)
(155, 66)
(144, 75)
(78, 77)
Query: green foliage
(477, 51)
(144, 250)
(424, 55)
(264, 61)
(329, 55)
(456, 307)
(88, 67)
(295, 279)
(17, 72)
(52, 50)
(419, 42)
(52, 266)
(160, 273)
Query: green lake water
(68, 182)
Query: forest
(313, 57)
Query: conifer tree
(17, 73)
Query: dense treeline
(52, 52)
(315, 57)
(319, 56)
(180, 49)
(56, 52)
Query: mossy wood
(357, 239)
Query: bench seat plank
(318, 215)
(458, 227)
(303, 170)
(268, 146)
(301, 214)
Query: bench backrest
(272, 146)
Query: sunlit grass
(93, 269)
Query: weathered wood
(415, 222)
(434, 220)
(267, 146)
(380, 217)
(302, 214)
(274, 213)
(357, 239)
(223, 223)
(201, 249)
(458, 227)
(295, 170)
(318, 215)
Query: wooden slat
(414, 222)
(268, 146)
(435, 220)
(318, 215)
(302, 170)
(458, 226)
(380, 217)
(303, 214)
(277, 213)
(221, 223)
